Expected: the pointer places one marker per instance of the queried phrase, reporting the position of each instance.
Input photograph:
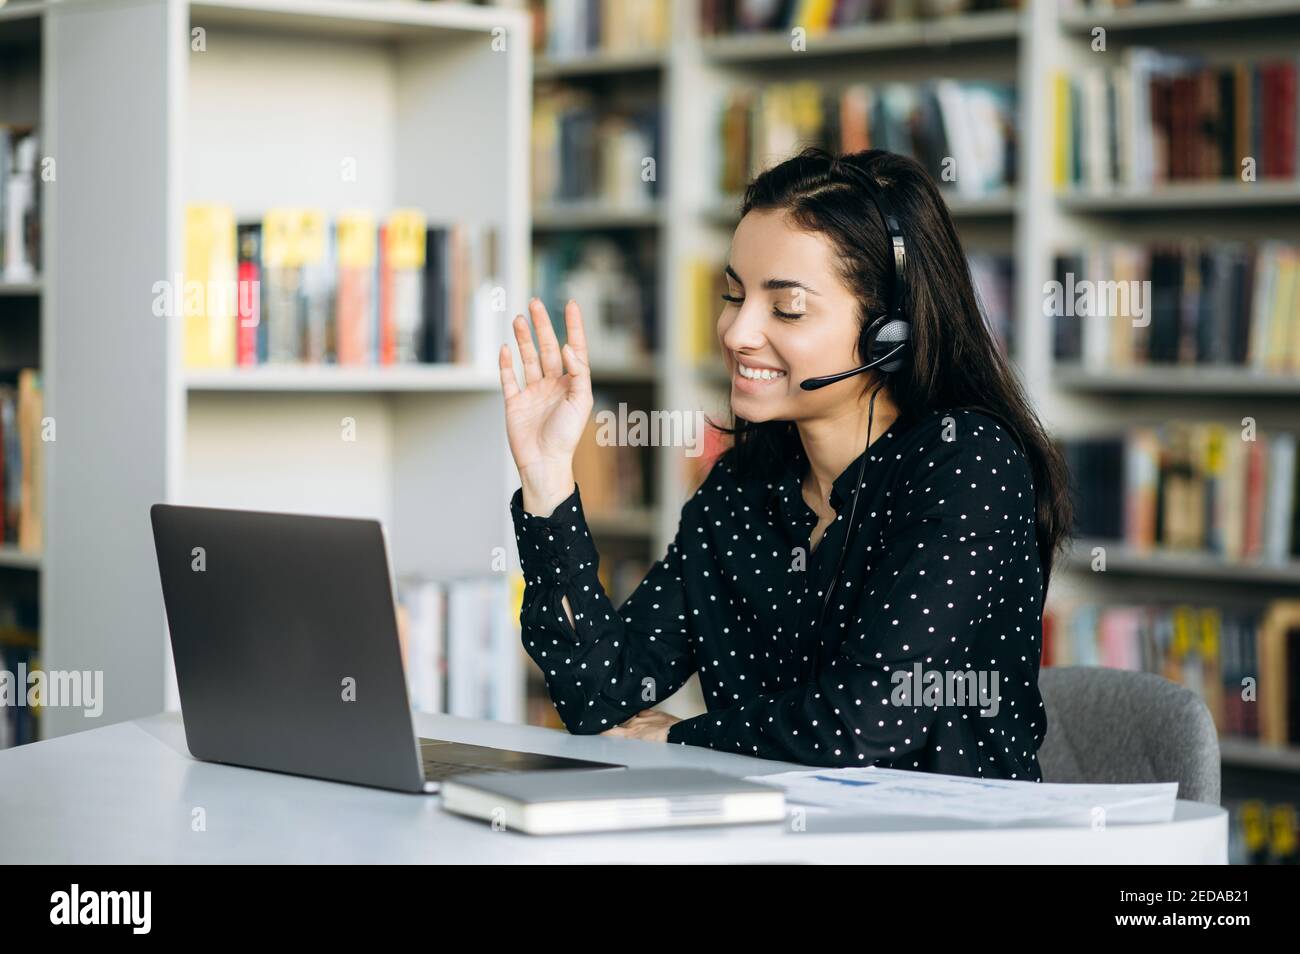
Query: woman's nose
(745, 332)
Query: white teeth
(759, 374)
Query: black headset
(888, 335)
(886, 338)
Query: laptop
(284, 634)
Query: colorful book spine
(209, 293)
(248, 312)
(355, 298)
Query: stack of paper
(882, 791)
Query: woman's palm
(546, 418)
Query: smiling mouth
(758, 374)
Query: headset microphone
(893, 336)
(887, 336)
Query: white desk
(127, 793)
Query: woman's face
(791, 319)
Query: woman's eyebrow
(774, 283)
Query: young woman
(860, 578)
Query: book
(354, 300)
(209, 293)
(565, 801)
(22, 454)
(250, 338)
(31, 436)
(20, 204)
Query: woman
(899, 625)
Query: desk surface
(129, 792)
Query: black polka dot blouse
(941, 584)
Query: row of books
(298, 288)
(963, 132)
(1215, 303)
(747, 16)
(614, 283)
(586, 149)
(1244, 662)
(23, 433)
(1193, 487)
(19, 651)
(1263, 832)
(20, 204)
(1157, 118)
(567, 28)
(462, 657)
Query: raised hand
(546, 418)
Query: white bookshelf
(326, 379)
(1081, 400)
(1032, 221)
(434, 118)
(939, 35)
(24, 305)
(1176, 16)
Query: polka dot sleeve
(611, 663)
(952, 585)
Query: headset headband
(892, 227)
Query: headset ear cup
(889, 337)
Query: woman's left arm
(957, 588)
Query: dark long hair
(953, 361)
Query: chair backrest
(1112, 725)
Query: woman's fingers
(546, 340)
(553, 361)
(574, 331)
(506, 362)
(527, 353)
(579, 378)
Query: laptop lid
(284, 634)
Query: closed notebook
(564, 801)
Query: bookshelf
(24, 308)
(261, 116)
(1032, 220)
(1176, 16)
(432, 378)
(940, 35)
(1079, 400)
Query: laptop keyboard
(435, 771)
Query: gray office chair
(1111, 725)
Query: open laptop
(284, 633)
